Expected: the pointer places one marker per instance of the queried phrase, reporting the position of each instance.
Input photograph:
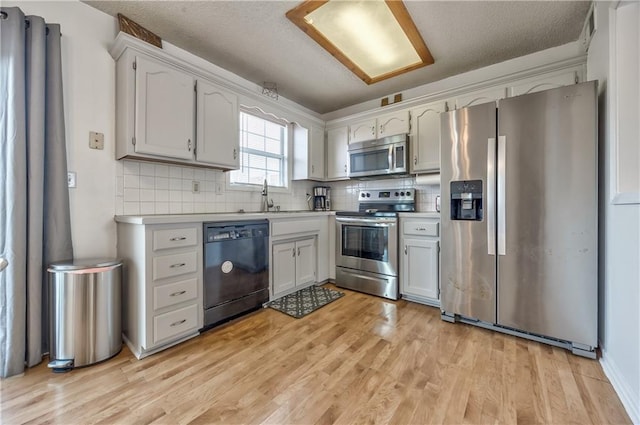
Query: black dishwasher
(236, 269)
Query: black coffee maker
(321, 199)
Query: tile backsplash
(144, 188)
(344, 194)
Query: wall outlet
(71, 179)
(195, 186)
(96, 140)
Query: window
(263, 150)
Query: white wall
(619, 261)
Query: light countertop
(207, 217)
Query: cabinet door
(316, 153)
(392, 124)
(481, 96)
(544, 83)
(308, 153)
(363, 130)
(425, 137)
(164, 110)
(420, 261)
(337, 153)
(284, 267)
(305, 261)
(217, 126)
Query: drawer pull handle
(420, 229)
(175, 294)
(179, 322)
(174, 266)
(405, 250)
(178, 238)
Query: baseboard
(621, 388)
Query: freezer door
(468, 258)
(547, 213)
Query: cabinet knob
(298, 252)
(313, 168)
(235, 153)
(293, 252)
(373, 130)
(405, 250)
(345, 168)
(415, 160)
(382, 129)
(189, 144)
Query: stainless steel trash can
(85, 324)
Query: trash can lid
(83, 263)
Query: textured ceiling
(255, 40)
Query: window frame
(288, 148)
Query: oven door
(367, 244)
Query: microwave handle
(392, 159)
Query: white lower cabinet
(419, 268)
(162, 287)
(294, 265)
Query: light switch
(96, 140)
(71, 179)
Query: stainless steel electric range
(367, 242)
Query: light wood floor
(360, 359)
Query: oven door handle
(368, 222)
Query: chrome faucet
(266, 202)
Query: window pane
(254, 124)
(262, 152)
(273, 146)
(273, 164)
(273, 130)
(255, 142)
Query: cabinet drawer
(175, 322)
(174, 293)
(174, 265)
(174, 238)
(289, 227)
(422, 228)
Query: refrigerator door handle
(491, 196)
(502, 216)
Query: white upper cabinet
(337, 153)
(378, 127)
(170, 111)
(308, 153)
(217, 126)
(425, 137)
(392, 124)
(546, 82)
(480, 96)
(360, 131)
(164, 110)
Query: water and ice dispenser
(466, 200)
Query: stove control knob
(401, 193)
(362, 195)
(408, 193)
(368, 195)
(397, 194)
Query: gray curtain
(35, 226)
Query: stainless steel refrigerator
(519, 216)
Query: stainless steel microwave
(379, 157)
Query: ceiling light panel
(375, 39)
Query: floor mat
(305, 301)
